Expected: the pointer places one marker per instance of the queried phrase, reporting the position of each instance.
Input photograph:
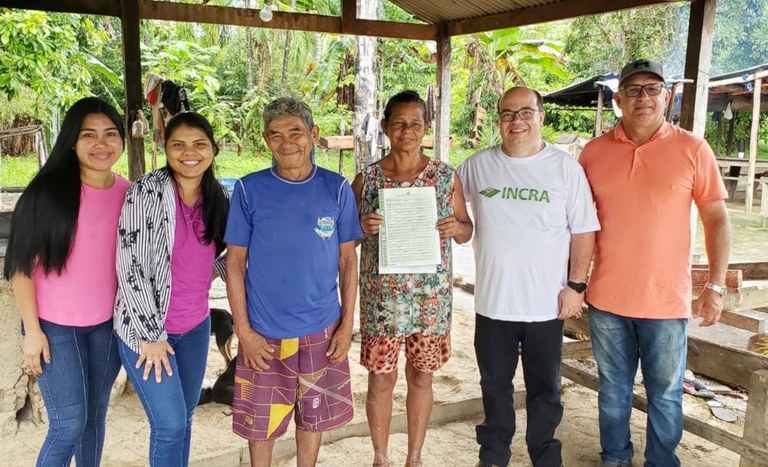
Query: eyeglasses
(524, 114)
(634, 90)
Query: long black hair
(215, 203)
(44, 221)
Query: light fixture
(266, 13)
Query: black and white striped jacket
(145, 236)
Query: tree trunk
(264, 64)
(249, 52)
(318, 57)
(249, 59)
(286, 53)
(365, 84)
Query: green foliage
(57, 58)
(187, 64)
(459, 155)
(603, 43)
(329, 117)
(54, 55)
(581, 122)
(17, 171)
(740, 40)
(741, 132)
(484, 66)
(549, 134)
(18, 109)
(325, 77)
(489, 135)
(509, 52)
(405, 65)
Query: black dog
(223, 390)
(224, 387)
(222, 327)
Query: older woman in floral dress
(410, 308)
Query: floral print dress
(405, 304)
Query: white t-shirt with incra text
(525, 211)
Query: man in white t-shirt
(533, 212)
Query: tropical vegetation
(49, 60)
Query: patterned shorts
(299, 379)
(426, 353)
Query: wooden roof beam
(197, 13)
(543, 14)
(83, 7)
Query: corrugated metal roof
(435, 11)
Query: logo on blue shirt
(325, 227)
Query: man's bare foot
(381, 462)
(413, 462)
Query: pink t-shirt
(84, 293)
(191, 270)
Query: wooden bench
(731, 183)
(343, 143)
(745, 307)
(764, 200)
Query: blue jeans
(171, 403)
(75, 387)
(660, 346)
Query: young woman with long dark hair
(171, 232)
(61, 261)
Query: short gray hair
(283, 106)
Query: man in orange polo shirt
(644, 176)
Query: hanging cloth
(153, 93)
(431, 104)
(728, 114)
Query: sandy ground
(450, 444)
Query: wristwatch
(721, 289)
(579, 287)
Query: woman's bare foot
(381, 462)
(413, 462)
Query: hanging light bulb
(266, 13)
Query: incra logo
(490, 192)
(522, 194)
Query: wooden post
(38, 149)
(729, 138)
(753, 144)
(719, 135)
(672, 91)
(365, 79)
(45, 144)
(764, 200)
(443, 91)
(599, 115)
(133, 92)
(698, 62)
(756, 421)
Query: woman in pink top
(171, 231)
(61, 261)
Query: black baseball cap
(641, 66)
